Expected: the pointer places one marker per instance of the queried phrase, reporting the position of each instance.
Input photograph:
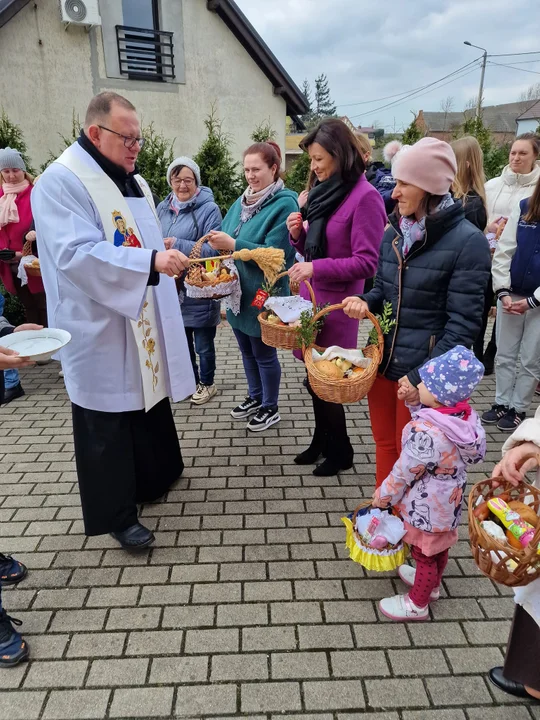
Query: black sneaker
(492, 417)
(247, 408)
(13, 649)
(11, 571)
(511, 420)
(265, 418)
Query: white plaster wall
(49, 80)
(44, 74)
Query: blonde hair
(27, 176)
(364, 144)
(470, 168)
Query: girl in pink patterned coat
(427, 483)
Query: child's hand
(378, 502)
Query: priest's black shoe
(136, 537)
(12, 394)
(508, 686)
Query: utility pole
(482, 75)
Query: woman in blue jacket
(516, 281)
(187, 214)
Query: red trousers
(429, 572)
(388, 418)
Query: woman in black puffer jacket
(433, 268)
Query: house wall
(499, 138)
(54, 71)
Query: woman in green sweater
(257, 219)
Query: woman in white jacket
(516, 281)
(520, 675)
(516, 182)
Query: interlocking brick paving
(247, 606)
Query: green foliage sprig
(385, 321)
(309, 328)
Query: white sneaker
(402, 609)
(408, 574)
(264, 418)
(61, 373)
(203, 394)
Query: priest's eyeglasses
(129, 142)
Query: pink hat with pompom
(429, 164)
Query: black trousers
(479, 344)
(123, 459)
(331, 427)
(522, 662)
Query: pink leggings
(429, 572)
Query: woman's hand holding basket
(301, 272)
(356, 308)
(512, 467)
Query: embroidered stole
(118, 221)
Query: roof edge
(10, 10)
(259, 51)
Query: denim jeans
(11, 379)
(262, 368)
(201, 343)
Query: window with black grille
(144, 51)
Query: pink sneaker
(408, 573)
(402, 609)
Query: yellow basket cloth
(370, 558)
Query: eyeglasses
(188, 182)
(129, 142)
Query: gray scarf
(252, 202)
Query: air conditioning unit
(80, 12)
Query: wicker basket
(283, 337)
(194, 275)
(351, 389)
(482, 544)
(30, 269)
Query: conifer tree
(412, 134)
(218, 169)
(298, 175)
(324, 107)
(11, 136)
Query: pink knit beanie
(430, 164)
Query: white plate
(36, 344)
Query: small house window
(144, 51)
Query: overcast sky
(371, 50)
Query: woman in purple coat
(345, 225)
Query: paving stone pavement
(247, 605)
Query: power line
(407, 92)
(537, 52)
(416, 95)
(513, 67)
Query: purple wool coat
(354, 233)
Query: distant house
(173, 59)
(529, 121)
(368, 132)
(502, 120)
(294, 138)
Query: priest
(128, 354)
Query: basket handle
(308, 285)
(195, 253)
(369, 316)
